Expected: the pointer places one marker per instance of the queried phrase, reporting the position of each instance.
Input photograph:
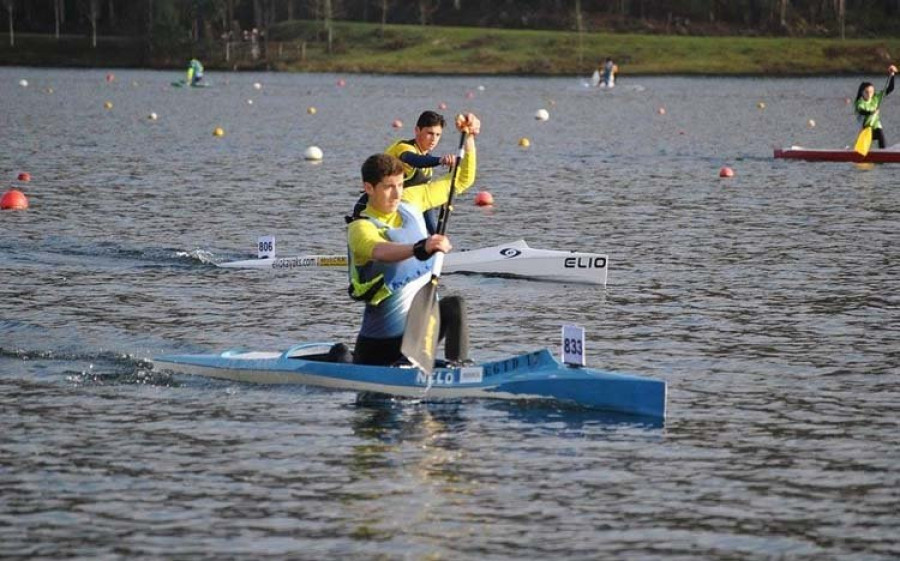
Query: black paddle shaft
(445, 212)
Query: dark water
(768, 302)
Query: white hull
(515, 259)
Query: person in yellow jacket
(418, 163)
(391, 254)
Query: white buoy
(257, 86)
(249, 102)
(23, 83)
(481, 88)
(313, 153)
(542, 115)
(152, 116)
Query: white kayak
(515, 259)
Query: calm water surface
(768, 302)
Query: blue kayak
(533, 376)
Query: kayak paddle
(423, 321)
(864, 140)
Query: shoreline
(360, 48)
(619, 77)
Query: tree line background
(174, 23)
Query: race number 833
(573, 345)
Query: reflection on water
(767, 301)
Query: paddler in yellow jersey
(391, 254)
(418, 163)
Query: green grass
(404, 49)
(361, 47)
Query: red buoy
(483, 198)
(726, 172)
(13, 200)
(24, 176)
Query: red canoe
(875, 156)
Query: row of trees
(180, 20)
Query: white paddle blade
(423, 324)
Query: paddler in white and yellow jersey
(391, 254)
(608, 71)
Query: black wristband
(420, 252)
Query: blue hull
(533, 376)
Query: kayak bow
(533, 376)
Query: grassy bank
(360, 47)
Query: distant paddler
(867, 108)
(194, 72)
(607, 72)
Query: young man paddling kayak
(868, 104)
(418, 163)
(391, 254)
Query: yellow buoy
(107, 105)
(219, 131)
(311, 110)
(524, 142)
(761, 105)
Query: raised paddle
(864, 140)
(424, 319)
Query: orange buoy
(13, 200)
(442, 106)
(483, 198)
(24, 176)
(397, 124)
(470, 95)
(661, 110)
(726, 172)
(341, 83)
